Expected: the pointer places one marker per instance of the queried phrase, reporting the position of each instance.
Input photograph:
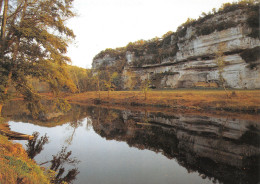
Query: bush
(253, 22)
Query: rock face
(199, 54)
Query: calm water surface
(131, 147)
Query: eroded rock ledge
(188, 58)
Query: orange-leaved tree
(33, 43)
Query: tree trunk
(1, 106)
(2, 37)
(98, 90)
(8, 82)
(1, 4)
(77, 81)
(4, 20)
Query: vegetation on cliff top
(160, 48)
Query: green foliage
(16, 167)
(20, 166)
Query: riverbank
(5, 130)
(17, 167)
(230, 101)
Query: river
(100, 145)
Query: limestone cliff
(223, 44)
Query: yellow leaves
(114, 75)
(189, 21)
(57, 75)
(62, 104)
(167, 34)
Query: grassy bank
(235, 100)
(17, 167)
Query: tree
(167, 34)
(97, 82)
(33, 43)
(130, 79)
(145, 87)
(81, 77)
(221, 64)
(109, 82)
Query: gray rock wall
(191, 60)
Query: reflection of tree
(111, 116)
(75, 123)
(89, 124)
(35, 146)
(58, 163)
(145, 118)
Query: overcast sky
(102, 24)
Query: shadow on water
(58, 162)
(223, 149)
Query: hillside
(219, 49)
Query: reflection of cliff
(223, 149)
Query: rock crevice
(193, 54)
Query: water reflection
(74, 124)
(57, 164)
(35, 145)
(221, 149)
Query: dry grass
(16, 167)
(237, 100)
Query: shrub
(253, 22)
(181, 32)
